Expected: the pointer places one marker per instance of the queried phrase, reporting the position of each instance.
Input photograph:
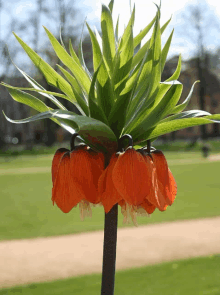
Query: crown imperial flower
(124, 95)
(75, 176)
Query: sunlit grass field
(26, 209)
(198, 276)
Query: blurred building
(188, 76)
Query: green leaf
(28, 99)
(81, 102)
(179, 108)
(127, 32)
(176, 74)
(34, 103)
(38, 87)
(51, 76)
(105, 95)
(143, 33)
(35, 90)
(137, 103)
(175, 125)
(81, 57)
(118, 114)
(158, 113)
(104, 87)
(166, 50)
(187, 114)
(108, 39)
(116, 30)
(95, 133)
(73, 54)
(97, 54)
(141, 53)
(149, 81)
(96, 111)
(110, 6)
(123, 65)
(68, 61)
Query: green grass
(198, 276)
(26, 209)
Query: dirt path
(47, 259)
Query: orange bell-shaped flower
(132, 177)
(85, 172)
(166, 182)
(65, 193)
(109, 196)
(155, 197)
(75, 176)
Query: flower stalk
(109, 251)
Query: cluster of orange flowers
(138, 180)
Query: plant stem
(109, 251)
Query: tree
(197, 21)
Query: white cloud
(22, 6)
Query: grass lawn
(26, 209)
(198, 276)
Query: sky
(145, 11)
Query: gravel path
(51, 258)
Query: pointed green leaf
(137, 103)
(44, 92)
(110, 6)
(141, 53)
(28, 99)
(179, 108)
(81, 56)
(97, 54)
(123, 66)
(175, 125)
(104, 87)
(127, 33)
(82, 103)
(187, 114)
(118, 114)
(73, 54)
(35, 90)
(96, 111)
(66, 59)
(108, 38)
(159, 112)
(95, 133)
(176, 74)
(143, 33)
(166, 50)
(149, 81)
(116, 30)
(52, 77)
(36, 104)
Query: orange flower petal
(172, 188)
(65, 193)
(132, 177)
(56, 161)
(152, 196)
(86, 172)
(109, 196)
(99, 157)
(166, 183)
(148, 207)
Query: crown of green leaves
(124, 95)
